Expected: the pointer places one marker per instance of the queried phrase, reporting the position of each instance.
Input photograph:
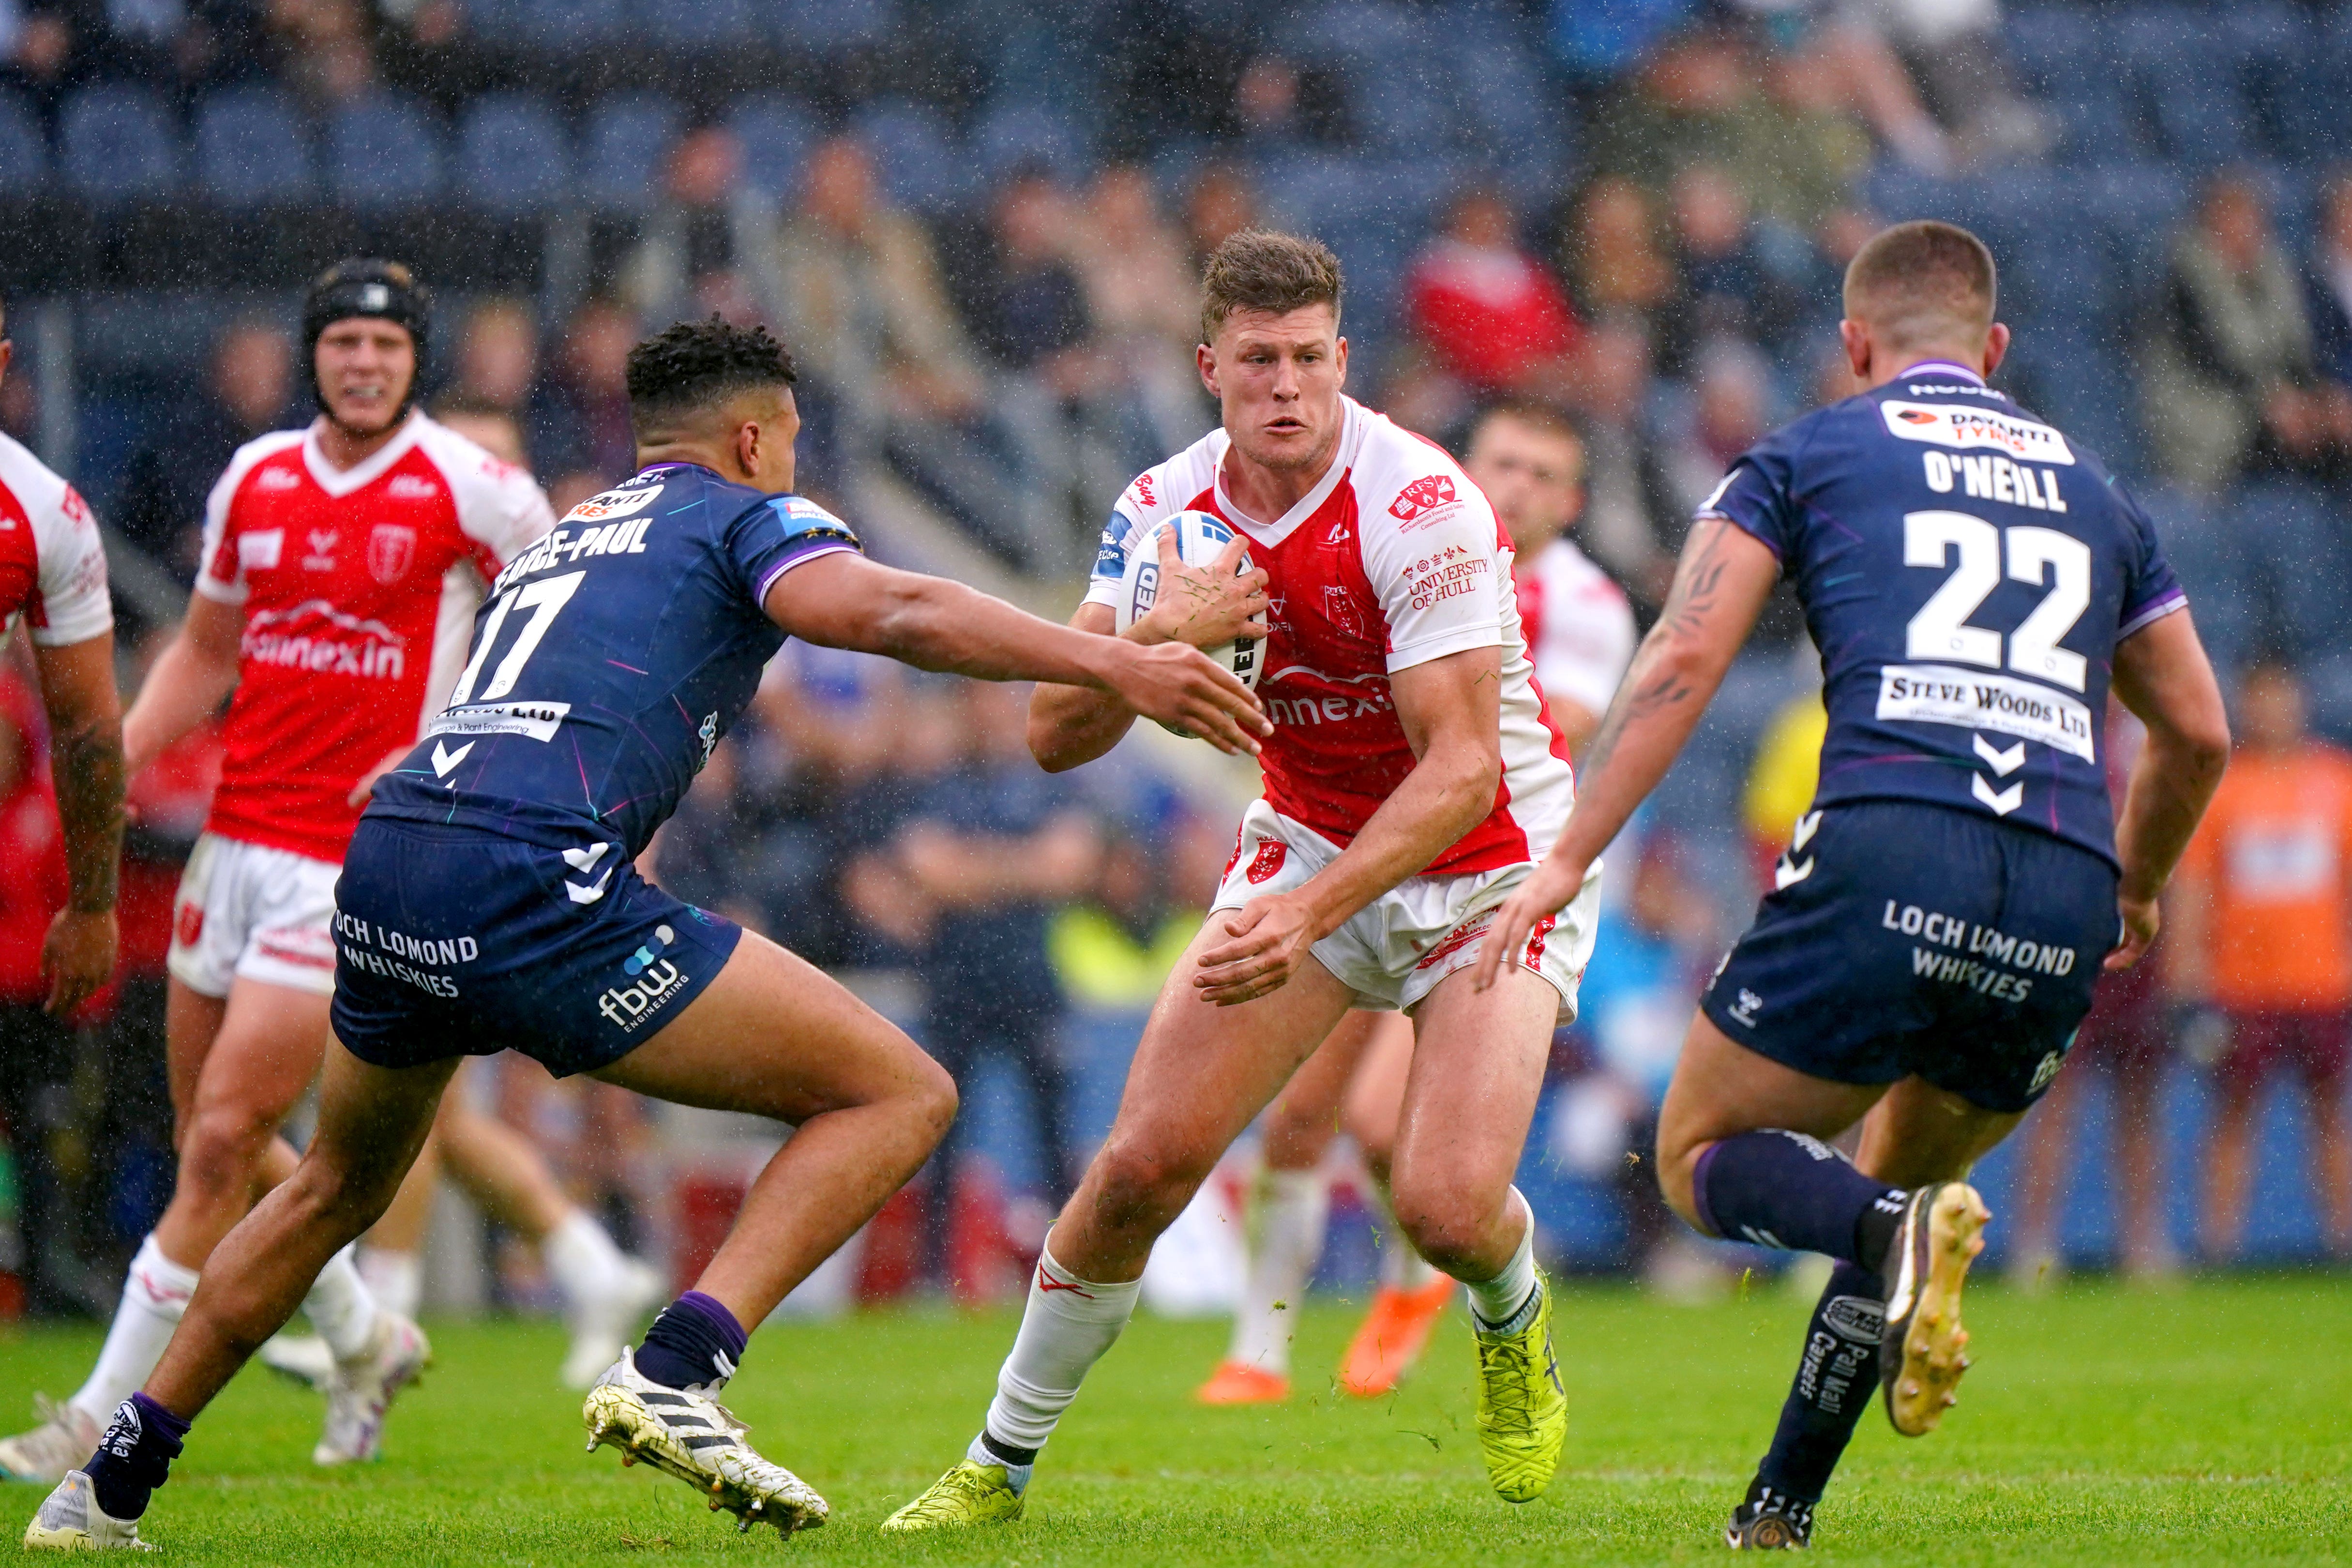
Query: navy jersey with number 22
(1967, 574)
(610, 657)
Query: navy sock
(695, 1340)
(1783, 1189)
(134, 1456)
(1834, 1385)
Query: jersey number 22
(1941, 629)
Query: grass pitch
(2100, 1424)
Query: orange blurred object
(1390, 1338)
(1234, 1383)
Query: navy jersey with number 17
(1966, 573)
(610, 658)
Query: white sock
(155, 1297)
(1289, 1210)
(340, 1307)
(1402, 1268)
(1068, 1326)
(1498, 1301)
(396, 1279)
(582, 1260)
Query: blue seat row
(508, 153)
(2201, 86)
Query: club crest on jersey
(392, 547)
(1423, 495)
(1271, 854)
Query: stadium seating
(384, 151)
(253, 149)
(776, 134)
(622, 147)
(921, 168)
(115, 143)
(514, 157)
(23, 154)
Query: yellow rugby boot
(971, 1493)
(1522, 1408)
(1922, 1349)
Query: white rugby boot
(64, 1438)
(603, 1325)
(362, 1388)
(71, 1520)
(305, 1358)
(694, 1437)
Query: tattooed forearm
(87, 765)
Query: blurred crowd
(1008, 361)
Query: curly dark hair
(692, 365)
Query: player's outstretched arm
(85, 762)
(844, 600)
(1449, 709)
(1719, 589)
(2163, 676)
(1207, 606)
(187, 683)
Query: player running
(1528, 461)
(53, 577)
(340, 565)
(1410, 780)
(1976, 583)
(489, 901)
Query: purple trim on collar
(1963, 371)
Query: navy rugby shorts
(450, 940)
(1909, 938)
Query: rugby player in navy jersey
(489, 900)
(1976, 583)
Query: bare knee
(1140, 1189)
(225, 1152)
(1448, 1223)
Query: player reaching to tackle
(1409, 781)
(489, 901)
(1976, 583)
(341, 563)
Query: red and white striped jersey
(1393, 560)
(52, 561)
(358, 588)
(1578, 627)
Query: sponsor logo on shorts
(2045, 1072)
(657, 983)
(1271, 854)
(188, 924)
(1745, 1008)
(1457, 939)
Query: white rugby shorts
(1398, 947)
(248, 911)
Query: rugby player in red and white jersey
(53, 578)
(1409, 781)
(342, 565)
(1577, 626)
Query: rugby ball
(1201, 538)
